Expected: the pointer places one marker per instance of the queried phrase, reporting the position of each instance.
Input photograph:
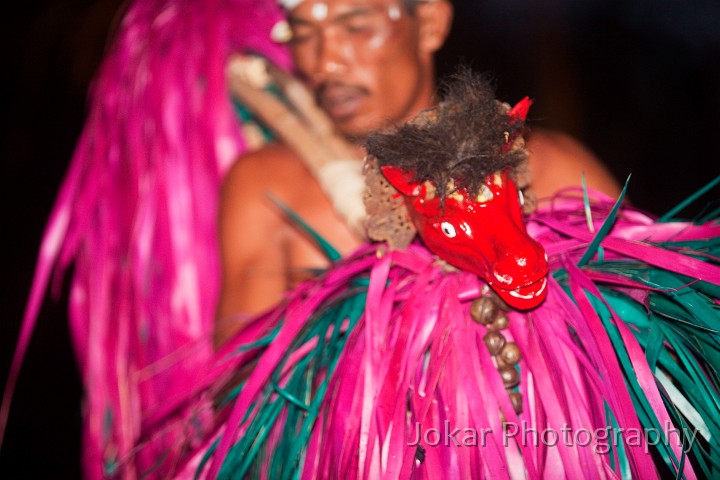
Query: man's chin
(353, 135)
(356, 130)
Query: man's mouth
(341, 101)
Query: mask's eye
(485, 194)
(521, 197)
(448, 229)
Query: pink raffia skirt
(377, 368)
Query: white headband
(289, 4)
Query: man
(370, 64)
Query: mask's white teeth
(516, 294)
(506, 279)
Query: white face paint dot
(319, 11)
(394, 13)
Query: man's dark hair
(410, 6)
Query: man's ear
(435, 18)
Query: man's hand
(300, 123)
(305, 128)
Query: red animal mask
(483, 234)
(452, 167)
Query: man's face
(362, 60)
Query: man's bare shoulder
(272, 171)
(271, 166)
(557, 160)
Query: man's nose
(332, 56)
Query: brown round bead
(517, 402)
(483, 309)
(501, 321)
(510, 376)
(510, 353)
(500, 303)
(494, 341)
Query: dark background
(637, 81)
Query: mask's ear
(435, 18)
(519, 112)
(401, 181)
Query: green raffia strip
(617, 451)
(605, 229)
(709, 216)
(245, 115)
(330, 252)
(692, 198)
(586, 204)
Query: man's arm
(557, 161)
